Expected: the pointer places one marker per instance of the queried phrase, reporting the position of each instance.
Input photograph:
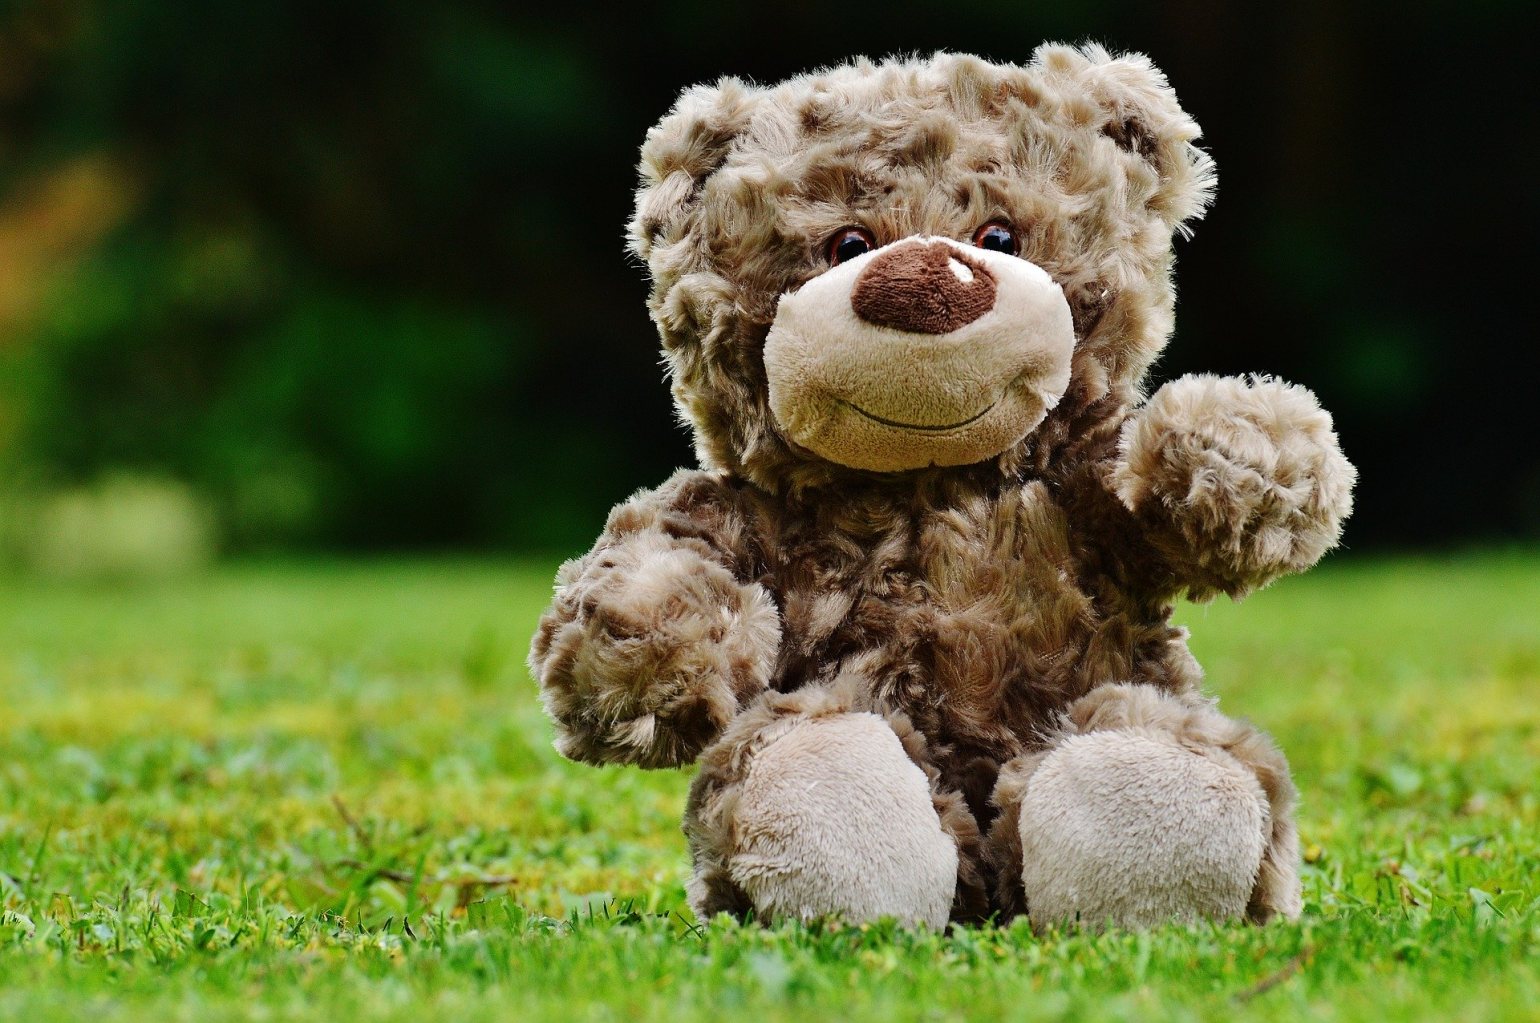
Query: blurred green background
(290, 275)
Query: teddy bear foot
(1131, 828)
(832, 819)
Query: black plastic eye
(848, 243)
(997, 236)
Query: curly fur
(986, 612)
(1243, 480)
(742, 186)
(652, 642)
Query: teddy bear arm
(654, 638)
(1234, 482)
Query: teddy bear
(911, 616)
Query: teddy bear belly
(982, 685)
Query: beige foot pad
(1132, 828)
(835, 820)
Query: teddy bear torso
(979, 612)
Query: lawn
(326, 792)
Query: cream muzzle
(923, 352)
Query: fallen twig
(386, 872)
(404, 877)
(1277, 977)
(352, 822)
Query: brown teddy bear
(912, 614)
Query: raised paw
(1246, 477)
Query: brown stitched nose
(915, 287)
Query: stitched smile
(917, 426)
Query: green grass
(326, 792)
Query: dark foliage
(365, 285)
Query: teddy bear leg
(1149, 808)
(806, 810)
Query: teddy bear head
(916, 265)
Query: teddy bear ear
(1138, 111)
(684, 149)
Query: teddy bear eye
(848, 243)
(997, 236)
